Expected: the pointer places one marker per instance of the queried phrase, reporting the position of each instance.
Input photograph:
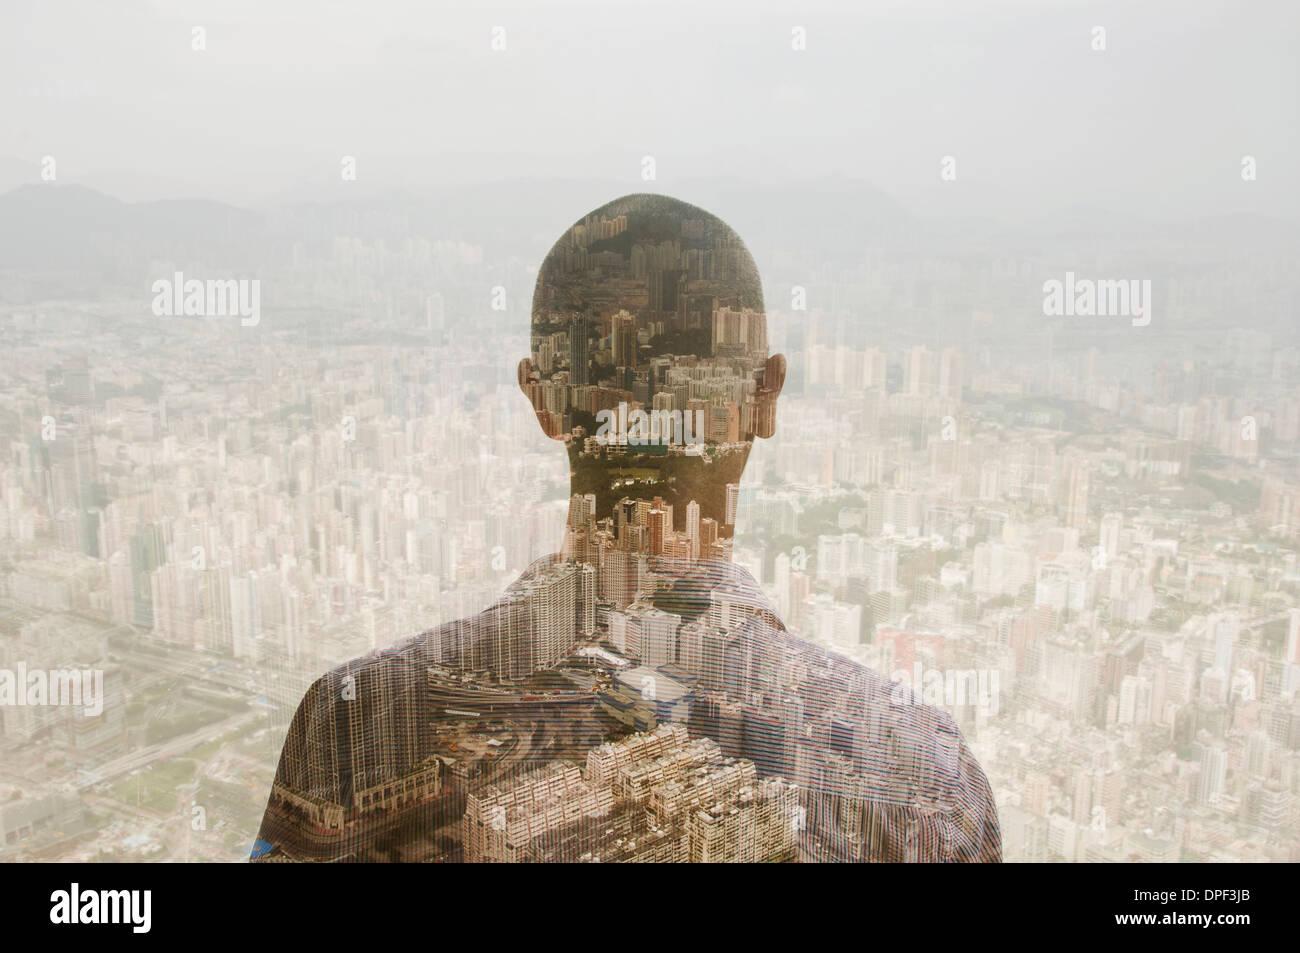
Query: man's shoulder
(380, 675)
(901, 746)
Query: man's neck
(575, 530)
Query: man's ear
(774, 375)
(773, 381)
(526, 376)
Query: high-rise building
(950, 374)
(918, 371)
(659, 527)
(623, 340)
(1076, 506)
(708, 537)
(580, 351)
(537, 623)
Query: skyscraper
(623, 340)
(733, 499)
(580, 351)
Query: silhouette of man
(633, 697)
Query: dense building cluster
(654, 797)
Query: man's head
(650, 359)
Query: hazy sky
(1036, 119)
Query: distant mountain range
(68, 227)
(49, 227)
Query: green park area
(155, 787)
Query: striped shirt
(880, 776)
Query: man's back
(748, 744)
(637, 700)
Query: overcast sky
(1036, 119)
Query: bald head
(650, 302)
(653, 256)
(650, 357)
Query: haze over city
(1034, 459)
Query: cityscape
(1075, 535)
(660, 302)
